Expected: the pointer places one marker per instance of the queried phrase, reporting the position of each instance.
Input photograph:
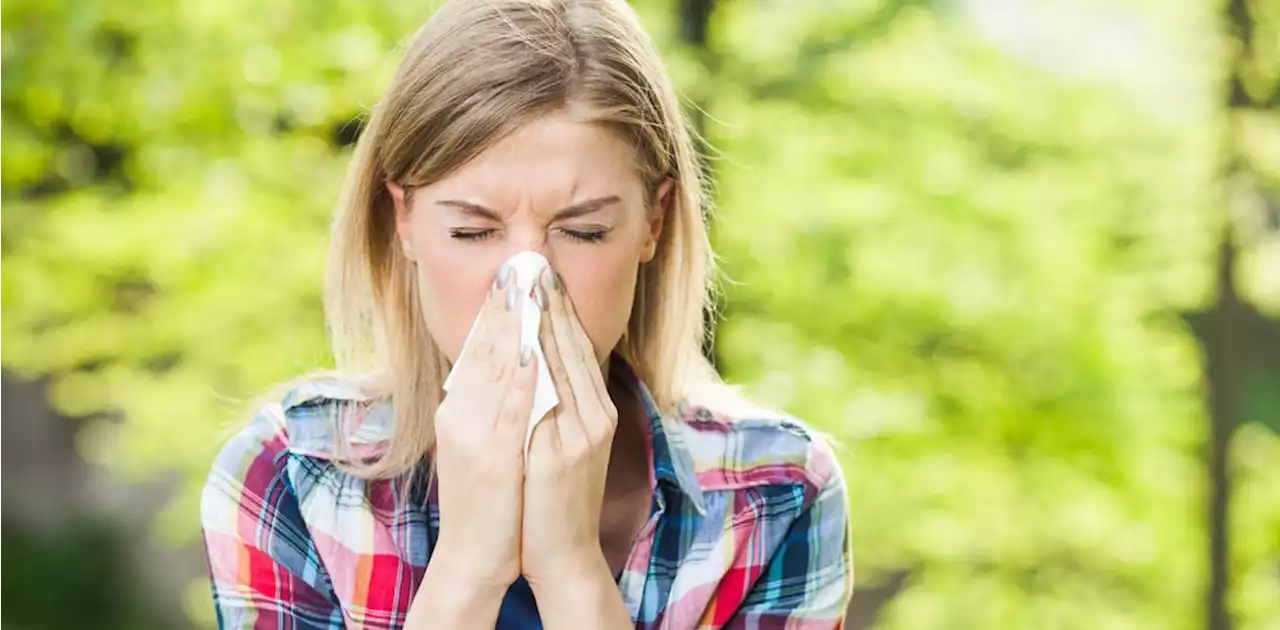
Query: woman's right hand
(479, 456)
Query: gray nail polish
(513, 297)
(504, 276)
(526, 355)
(555, 280)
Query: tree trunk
(1224, 373)
(1226, 347)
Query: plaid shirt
(749, 526)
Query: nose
(527, 238)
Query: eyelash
(586, 236)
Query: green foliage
(72, 578)
(1018, 418)
(971, 271)
(968, 253)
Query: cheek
(453, 289)
(602, 288)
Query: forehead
(554, 156)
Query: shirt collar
(672, 462)
(322, 412)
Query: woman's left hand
(569, 456)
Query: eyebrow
(567, 212)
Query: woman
(649, 497)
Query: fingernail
(504, 276)
(540, 297)
(555, 280)
(513, 297)
(526, 355)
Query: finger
(568, 425)
(518, 402)
(554, 360)
(501, 301)
(504, 321)
(607, 413)
(578, 363)
(583, 342)
(508, 361)
(474, 365)
(545, 439)
(468, 380)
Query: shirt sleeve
(808, 581)
(263, 563)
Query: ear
(402, 218)
(656, 219)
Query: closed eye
(585, 236)
(471, 234)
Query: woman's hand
(480, 428)
(569, 456)
(564, 486)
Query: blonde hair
(474, 73)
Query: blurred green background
(1021, 258)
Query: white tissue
(527, 268)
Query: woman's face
(566, 189)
